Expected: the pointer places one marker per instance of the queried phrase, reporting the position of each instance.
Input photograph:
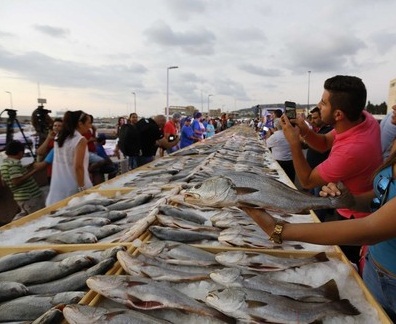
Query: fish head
(227, 277)
(215, 191)
(230, 257)
(153, 248)
(227, 300)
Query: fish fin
(321, 257)
(257, 319)
(42, 228)
(345, 307)
(331, 290)
(255, 304)
(35, 239)
(244, 190)
(297, 246)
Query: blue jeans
(382, 285)
(133, 162)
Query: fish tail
(331, 290)
(345, 200)
(345, 307)
(321, 257)
(35, 239)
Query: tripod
(10, 128)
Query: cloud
(197, 42)
(384, 41)
(184, 9)
(257, 70)
(52, 31)
(36, 66)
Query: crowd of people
(340, 142)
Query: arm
(79, 162)
(377, 227)
(308, 177)
(35, 168)
(43, 148)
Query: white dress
(63, 178)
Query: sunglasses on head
(383, 188)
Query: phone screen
(290, 109)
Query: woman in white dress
(70, 166)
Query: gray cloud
(36, 66)
(195, 42)
(52, 31)
(384, 41)
(257, 70)
(184, 9)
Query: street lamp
(10, 93)
(210, 95)
(134, 96)
(309, 80)
(167, 89)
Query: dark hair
(58, 119)
(347, 93)
(14, 147)
(315, 110)
(70, 124)
(278, 113)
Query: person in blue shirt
(187, 136)
(109, 167)
(210, 129)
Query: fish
(69, 224)
(143, 293)
(45, 271)
(180, 235)
(29, 308)
(20, 259)
(260, 307)
(76, 237)
(174, 222)
(183, 213)
(233, 277)
(265, 262)
(247, 189)
(95, 255)
(10, 290)
(130, 203)
(77, 314)
(73, 282)
(52, 316)
(134, 266)
(93, 233)
(177, 253)
(84, 209)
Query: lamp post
(309, 80)
(167, 89)
(209, 95)
(10, 93)
(134, 99)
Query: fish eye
(198, 186)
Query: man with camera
(151, 137)
(42, 122)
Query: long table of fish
(167, 242)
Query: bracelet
(81, 188)
(276, 236)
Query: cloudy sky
(91, 54)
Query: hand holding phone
(290, 109)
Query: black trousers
(288, 167)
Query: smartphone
(290, 109)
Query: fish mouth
(189, 195)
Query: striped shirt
(11, 169)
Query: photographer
(151, 137)
(42, 122)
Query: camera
(171, 138)
(290, 109)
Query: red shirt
(353, 159)
(170, 128)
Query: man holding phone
(354, 147)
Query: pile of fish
(33, 282)
(175, 282)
